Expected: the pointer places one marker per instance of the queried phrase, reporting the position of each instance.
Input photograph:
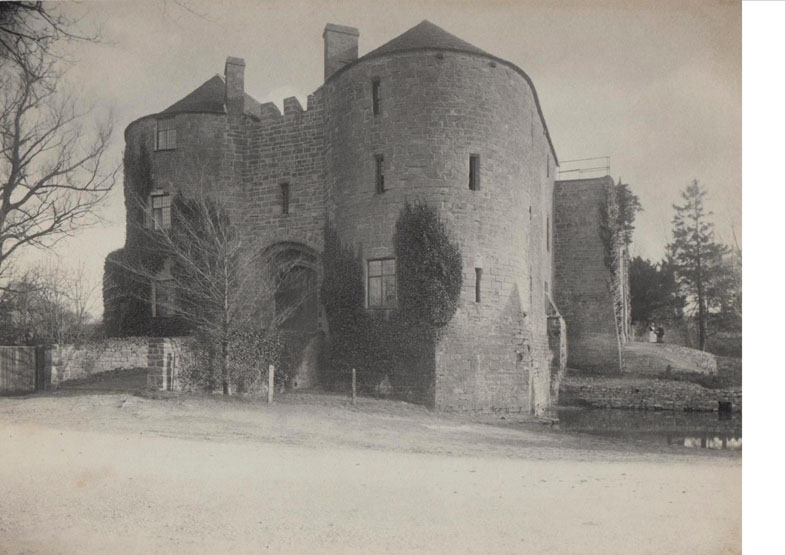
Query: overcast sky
(654, 85)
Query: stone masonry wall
(645, 394)
(69, 362)
(581, 278)
(437, 109)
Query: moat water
(689, 430)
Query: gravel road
(108, 473)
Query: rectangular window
(474, 172)
(376, 95)
(379, 173)
(381, 283)
(477, 284)
(548, 166)
(163, 298)
(284, 198)
(165, 134)
(160, 214)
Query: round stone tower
(429, 118)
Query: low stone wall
(70, 362)
(644, 394)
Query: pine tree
(697, 258)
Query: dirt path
(121, 474)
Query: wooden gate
(23, 369)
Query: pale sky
(654, 85)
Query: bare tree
(52, 166)
(210, 274)
(46, 304)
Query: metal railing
(579, 168)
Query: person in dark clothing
(660, 334)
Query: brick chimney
(234, 97)
(340, 47)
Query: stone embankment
(646, 394)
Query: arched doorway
(296, 305)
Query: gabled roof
(425, 35)
(209, 98)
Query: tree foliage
(617, 223)
(430, 272)
(209, 277)
(698, 259)
(655, 295)
(46, 304)
(392, 349)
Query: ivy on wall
(617, 218)
(127, 310)
(392, 350)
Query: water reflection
(706, 442)
(692, 430)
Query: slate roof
(207, 98)
(425, 35)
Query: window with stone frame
(159, 212)
(382, 292)
(165, 134)
(163, 297)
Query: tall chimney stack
(234, 73)
(340, 47)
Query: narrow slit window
(376, 86)
(548, 234)
(474, 172)
(379, 173)
(477, 284)
(548, 166)
(285, 198)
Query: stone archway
(296, 303)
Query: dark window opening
(548, 166)
(284, 198)
(477, 284)
(379, 173)
(165, 134)
(163, 298)
(376, 95)
(295, 299)
(159, 215)
(474, 172)
(382, 292)
(548, 233)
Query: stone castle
(429, 118)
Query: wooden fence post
(270, 383)
(354, 386)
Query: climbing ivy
(617, 218)
(392, 350)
